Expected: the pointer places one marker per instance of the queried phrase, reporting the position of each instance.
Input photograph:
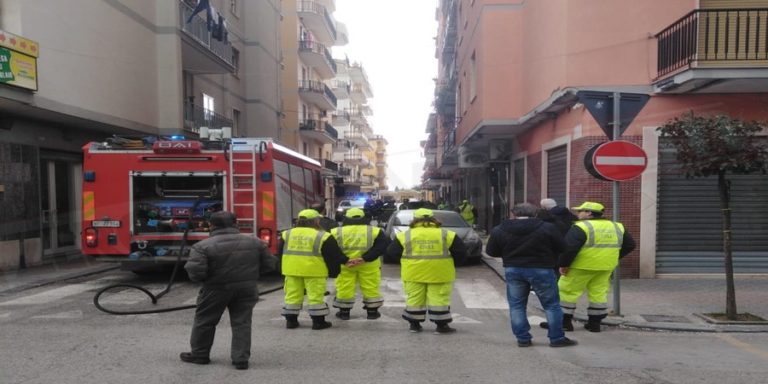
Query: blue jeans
(520, 281)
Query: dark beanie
(223, 219)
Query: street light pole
(616, 134)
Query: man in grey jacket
(228, 264)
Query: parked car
(344, 205)
(401, 220)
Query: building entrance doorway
(60, 190)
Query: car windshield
(447, 218)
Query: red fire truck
(143, 197)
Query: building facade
(510, 123)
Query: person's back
(528, 242)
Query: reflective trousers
(294, 288)
(596, 283)
(368, 275)
(427, 298)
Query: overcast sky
(394, 41)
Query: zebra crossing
(472, 294)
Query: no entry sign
(616, 160)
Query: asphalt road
(53, 334)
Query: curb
(55, 279)
(650, 326)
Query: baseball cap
(589, 206)
(309, 214)
(422, 213)
(355, 213)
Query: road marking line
(61, 315)
(744, 346)
(56, 294)
(477, 293)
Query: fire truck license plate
(106, 224)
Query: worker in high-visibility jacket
(308, 256)
(467, 211)
(359, 240)
(427, 256)
(594, 246)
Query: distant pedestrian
(326, 223)
(428, 256)
(308, 256)
(467, 211)
(529, 248)
(594, 246)
(359, 241)
(228, 264)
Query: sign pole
(616, 134)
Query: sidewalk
(55, 271)
(672, 303)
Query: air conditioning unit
(472, 157)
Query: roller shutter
(557, 168)
(689, 233)
(731, 4)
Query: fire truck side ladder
(242, 168)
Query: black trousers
(211, 304)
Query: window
(208, 107)
(235, 123)
(236, 61)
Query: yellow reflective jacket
(601, 250)
(301, 252)
(426, 258)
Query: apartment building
(379, 144)
(309, 31)
(101, 68)
(509, 125)
(354, 150)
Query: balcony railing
(317, 87)
(197, 28)
(315, 47)
(713, 37)
(319, 126)
(196, 116)
(315, 7)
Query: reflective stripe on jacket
(355, 240)
(601, 250)
(426, 258)
(301, 252)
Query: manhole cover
(665, 319)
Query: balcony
(318, 130)
(317, 19)
(317, 93)
(344, 171)
(330, 168)
(201, 53)
(359, 94)
(355, 159)
(357, 137)
(196, 116)
(342, 36)
(318, 57)
(714, 51)
(341, 117)
(340, 88)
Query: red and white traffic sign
(616, 160)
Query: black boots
(343, 313)
(593, 323)
(318, 322)
(567, 323)
(442, 328)
(291, 321)
(373, 314)
(415, 327)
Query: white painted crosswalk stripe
(477, 293)
(55, 294)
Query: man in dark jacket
(228, 264)
(529, 248)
